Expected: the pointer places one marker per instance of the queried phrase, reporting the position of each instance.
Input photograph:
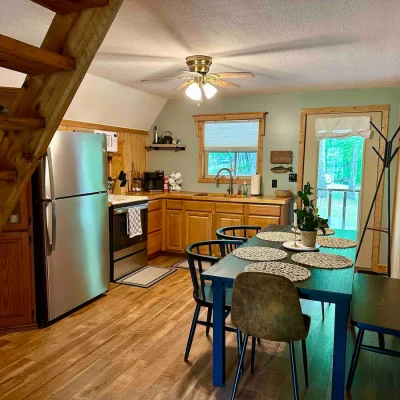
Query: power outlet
(274, 183)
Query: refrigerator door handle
(52, 200)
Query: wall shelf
(176, 147)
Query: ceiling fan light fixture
(194, 91)
(209, 90)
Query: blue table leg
(218, 333)
(339, 349)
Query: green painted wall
(282, 130)
(282, 127)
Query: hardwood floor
(129, 345)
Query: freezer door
(78, 263)
(77, 164)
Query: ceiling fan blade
(166, 79)
(190, 72)
(184, 85)
(235, 75)
(225, 84)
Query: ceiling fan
(199, 80)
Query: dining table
(324, 285)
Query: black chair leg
(304, 351)
(381, 340)
(253, 353)
(323, 310)
(354, 358)
(240, 365)
(192, 331)
(209, 316)
(259, 341)
(294, 371)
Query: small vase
(309, 239)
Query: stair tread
(68, 6)
(8, 96)
(28, 59)
(8, 174)
(14, 123)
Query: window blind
(342, 127)
(234, 136)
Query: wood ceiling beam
(68, 6)
(8, 96)
(48, 96)
(28, 59)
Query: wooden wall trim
(229, 116)
(384, 109)
(100, 127)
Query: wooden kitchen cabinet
(198, 226)
(262, 220)
(223, 220)
(173, 230)
(17, 304)
(155, 228)
(21, 212)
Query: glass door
(340, 168)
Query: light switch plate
(292, 177)
(274, 183)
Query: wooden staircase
(30, 116)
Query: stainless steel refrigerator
(71, 240)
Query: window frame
(200, 120)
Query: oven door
(122, 244)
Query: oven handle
(124, 210)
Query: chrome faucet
(230, 188)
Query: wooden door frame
(384, 109)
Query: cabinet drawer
(155, 205)
(265, 209)
(154, 242)
(198, 206)
(155, 221)
(262, 221)
(174, 204)
(229, 208)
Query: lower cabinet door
(173, 230)
(198, 227)
(154, 242)
(224, 220)
(262, 221)
(16, 285)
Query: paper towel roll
(255, 189)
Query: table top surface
(335, 281)
(376, 301)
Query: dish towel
(133, 222)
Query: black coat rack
(387, 159)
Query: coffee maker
(153, 181)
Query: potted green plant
(308, 220)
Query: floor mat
(146, 276)
(184, 264)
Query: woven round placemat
(335, 243)
(322, 260)
(276, 236)
(328, 232)
(291, 271)
(259, 253)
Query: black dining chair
(238, 232)
(267, 306)
(374, 308)
(199, 254)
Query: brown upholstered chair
(267, 306)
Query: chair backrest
(268, 307)
(239, 232)
(201, 253)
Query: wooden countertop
(214, 197)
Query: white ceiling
(288, 45)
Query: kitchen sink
(217, 195)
